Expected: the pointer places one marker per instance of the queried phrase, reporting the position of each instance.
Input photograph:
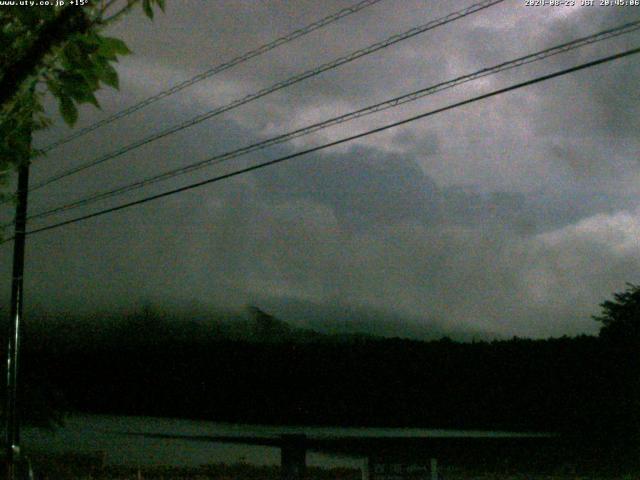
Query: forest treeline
(261, 370)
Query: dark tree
(620, 317)
(620, 338)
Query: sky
(516, 215)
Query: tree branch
(106, 6)
(119, 13)
(71, 20)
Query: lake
(95, 433)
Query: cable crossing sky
(215, 70)
(378, 107)
(493, 93)
(477, 7)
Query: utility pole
(12, 419)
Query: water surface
(106, 433)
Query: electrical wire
(215, 70)
(275, 87)
(378, 107)
(336, 142)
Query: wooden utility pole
(12, 418)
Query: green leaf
(161, 4)
(89, 42)
(54, 87)
(68, 110)
(91, 77)
(107, 74)
(79, 87)
(146, 6)
(28, 16)
(112, 46)
(73, 56)
(89, 97)
(81, 93)
(72, 82)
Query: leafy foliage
(620, 317)
(61, 51)
(72, 66)
(148, 9)
(85, 62)
(25, 116)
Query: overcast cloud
(517, 215)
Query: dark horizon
(327, 320)
(147, 365)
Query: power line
(410, 97)
(217, 69)
(337, 142)
(277, 86)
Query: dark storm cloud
(511, 216)
(363, 187)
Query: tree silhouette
(620, 317)
(620, 338)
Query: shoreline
(75, 466)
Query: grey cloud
(363, 187)
(492, 218)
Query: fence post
(293, 457)
(366, 468)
